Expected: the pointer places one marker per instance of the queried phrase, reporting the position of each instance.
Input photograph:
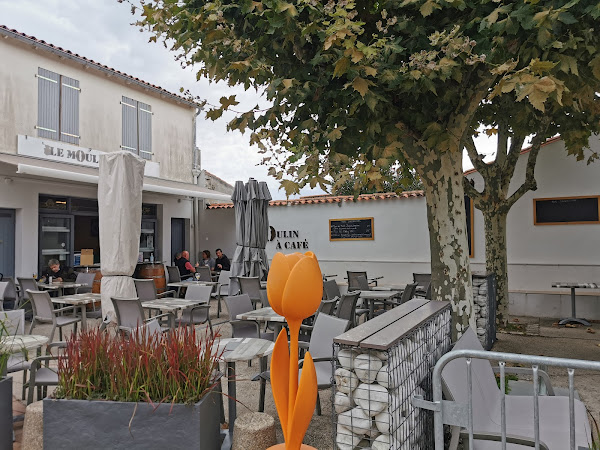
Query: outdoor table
(60, 286)
(573, 286)
(186, 283)
(265, 315)
(242, 349)
(376, 296)
(19, 342)
(81, 301)
(170, 304)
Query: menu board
(566, 210)
(360, 229)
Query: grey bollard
(254, 431)
(33, 428)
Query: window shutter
(130, 125)
(145, 130)
(69, 110)
(48, 103)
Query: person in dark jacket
(185, 266)
(59, 273)
(222, 262)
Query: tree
(391, 81)
(393, 179)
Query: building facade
(58, 113)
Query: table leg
(83, 317)
(231, 394)
(573, 317)
(371, 309)
(263, 384)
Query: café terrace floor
(527, 335)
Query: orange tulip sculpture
(294, 288)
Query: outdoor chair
(3, 286)
(407, 294)
(14, 323)
(23, 302)
(251, 286)
(11, 295)
(42, 375)
(203, 273)
(240, 304)
(346, 308)
(221, 288)
(199, 314)
(146, 290)
(352, 280)
(86, 278)
(44, 312)
(486, 400)
(332, 290)
(423, 281)
(320, 347)
(174, 275)
(130, 314)
(325, 307)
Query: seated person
(185, 266)
(222, 262)
(207, 260)
(58, 273)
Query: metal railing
(461, 415)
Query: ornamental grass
(174, 367)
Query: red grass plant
(175, 367)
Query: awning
(48, 169)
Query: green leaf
(567, 18)
(291, 9)
(540, 67)
(595, 65)
(428, 7)
(341, 67)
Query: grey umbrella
(252, 226)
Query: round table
(19, 342)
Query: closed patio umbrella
(120, 216)
(252, 226)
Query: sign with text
(68, 153)
(360, 229)
(566, 210)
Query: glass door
(56, 239)
(147, 240)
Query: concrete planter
(99, 424)
(6, 416)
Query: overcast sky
(101, 30)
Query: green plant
(3, 355)
(595, 445)
(174, 368)
(507, 378)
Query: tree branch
(474, 156)
(473, 194)
(502, 144)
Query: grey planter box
(6, 414)
(70, 424)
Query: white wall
(217, 230)
(100, 118)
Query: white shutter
(145, 130)
(130, 125)
(48, 104)
(69, 110)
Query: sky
(101, 30)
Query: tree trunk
(450, 268)
(496, 260)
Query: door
(177, 237)
(56, 239)
(7, 242)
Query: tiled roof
(320, 199)
(8, 32)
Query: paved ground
(543, 339)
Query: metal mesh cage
(372, 388)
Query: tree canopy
(361, 85)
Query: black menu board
(360, 229)
(566, 210)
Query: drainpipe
(196, 171)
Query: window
(137, 127)
(58, 107)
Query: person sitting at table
(207, 260)
(222, 262)
(58, 273)
(185, 266)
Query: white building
(58, 112)
(538, 253)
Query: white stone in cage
(476, 308)
(346, 358)
(355, 420)
(345, 380)
(483, 312)
(346, 439)
(366, 367)
(383, 378)
(481, 323)
(342, 402)
(480, 331)
(385, 442)
(483, 289)
(372, 398)
(381, 355)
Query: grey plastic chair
(24, 302)
(203, 272)
(332, 290)
(321, 350)
(174, 275)
(42, 376)
(3, 286)
(346, 308)
(44, 312)
(86, 278)
(146, 290)
(11, 296)
(553, 410)
(198, 314)
(251, 286)
(14, 323)
(222, 289)
(240, 304)
(130, 314)
(325, 307)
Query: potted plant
(139, 392)
(6, 419)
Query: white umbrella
(120, 215)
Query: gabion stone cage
(379, 366)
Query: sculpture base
(282, 447)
